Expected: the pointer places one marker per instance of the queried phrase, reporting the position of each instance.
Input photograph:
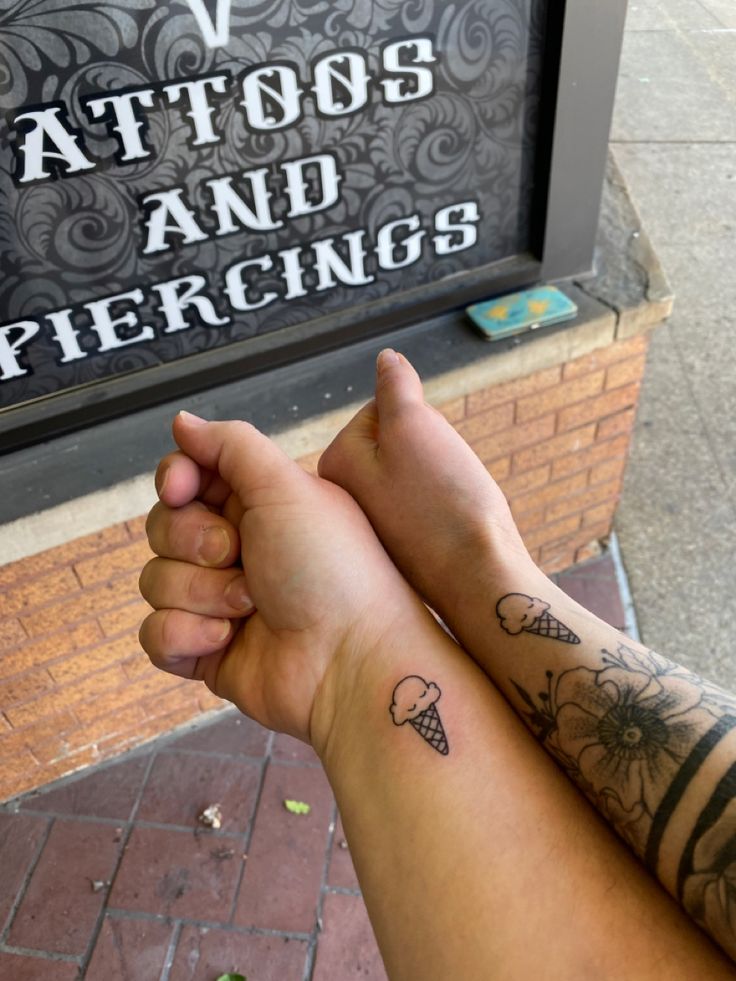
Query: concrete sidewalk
(674, 138)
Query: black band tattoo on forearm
(415, 700)
(520, 613)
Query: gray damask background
(78, 239)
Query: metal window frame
(578, 86)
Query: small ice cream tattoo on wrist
(415, 700)
(519, 612)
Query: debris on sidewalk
(211, 817)
(297, 807)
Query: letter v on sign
(218, 34)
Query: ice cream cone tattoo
(415, 701)
(518, 612)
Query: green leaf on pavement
(232, 977)
(297, 807)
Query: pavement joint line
(26, 882)
(127, 827)
(343, 891)
(247, 836)
(42, 955)
(630, 623)
(319, 926)
(198, 830)
(171, 951)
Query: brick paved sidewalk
(108, 875)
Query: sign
(181, 176)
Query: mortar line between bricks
(42, 955)
(248, 836)
(125, 837)
(171, 951)
(26, 882)
(312, 951)
(131, 914)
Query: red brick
(59, 909)
(286, 857)
(510, 391)
(20, 839)
(605, 356)
(116, 694)
(165, 721)
(551, 449)
(601, 513)
(65, 744)
(11, 634)
(526, 481)
(207, 701)
(341, 872)
(104, 567)
(607, 471)
(529, 521)
(599, 407)
(69, 696)
(292, 750)
(21, 968)
(18, 774)
(622, 422)
(138, 665)
(624, 372)
(558, 491)
(515, 438)
(560, 395)
(609, 450)
(232, 733)
(499, 469)
(347, 947)
(124, 618)
(485, 423)
(204, 953)
(86, 662)
(106, 792)
(552, 532)
(587, 552)
(39, 591)
(555, 558)
(453, 411)
(137, 526)
(88, 603)
(181, 784)
(129, 949)
(59, 645)
(582, 501)
(17, 740)
(66, 554)
(177, 873)
(25, 686)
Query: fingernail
(214, 545)
(216, 630)
(191, 419)
(386, 358)
(160, 481)
(237, 595)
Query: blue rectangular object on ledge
(517, 312)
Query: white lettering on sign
(174, 301)
(214, 35)
(227, 204)
(458, 222)
(330, 262)
(106, 326)
(169, 216)
(11, 347)
(341, 83)
(65, 335)
(237, 289)
(271, 97)
(326, 190)
(387, 246)
(120, 112)
(41, 127)
(417, 81)
(200, 111)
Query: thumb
(398, 386)
(249, 461)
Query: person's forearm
(651, 744)
(475, 858)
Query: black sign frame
(579, 78)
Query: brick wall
(75, 686)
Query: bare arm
(651, 744)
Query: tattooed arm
(651, 744)
(475, 858)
